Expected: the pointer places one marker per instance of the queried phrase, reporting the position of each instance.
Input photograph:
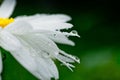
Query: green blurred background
(97, 22)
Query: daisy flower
(31, 40)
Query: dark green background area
(97, 22)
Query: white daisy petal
(59, 37)
(19, 28)
(24, 57)
(36, 46)
(38, 42)
(50, 26)
(34, 63)
(7, 7)
(41, 42)
(47, 68)
(48, 22)
(66, 59)
(8, 41)
(41, 17)
(70, 56)
(52, 68)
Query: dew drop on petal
(55, 35)
(75, 33)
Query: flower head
(33, 40)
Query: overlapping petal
(8, 41)
(47, 22)
(7, 7)
(58, 36)
(19, 28)
(41, 65)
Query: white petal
(33, 63)
(19, 28)
(7, 7)
(50, 26)
(8, 41)
(38, 52)
(24, 57)
(47, 68)
(41, 17)
(52, 68)
(48, 22)
(70, 56)
(0, 63)
(66, 58)
(59, 37)
(41, 42)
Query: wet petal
(8, 41)
(41, 42)
(35, 63)
(58, 36)
(19, 28)
(66, 59)
(47, 22)
(36, 48)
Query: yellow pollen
(5, 21)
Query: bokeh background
(97, 22)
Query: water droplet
(74, 32)
(55, 35)
(57, 30)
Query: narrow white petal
(46, 17)
(52, 68)
(59, 37)
(68, 65)
(24, 57)
(50, 26)
(48, 22)
(33, 63)
(46, 68)
(41, 42)
(19, 28)
(70, 56)
(66, 59)
(40, 61)
(8, 41)
(7, 7)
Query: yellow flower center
(5, 21)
